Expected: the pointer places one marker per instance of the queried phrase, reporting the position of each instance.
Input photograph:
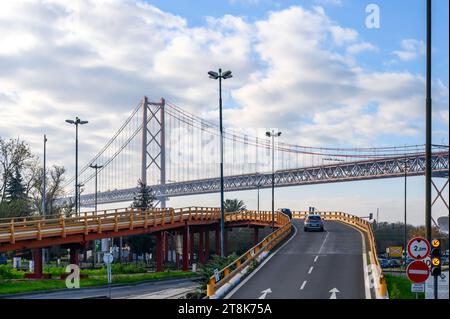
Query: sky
(312, 68)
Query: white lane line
(315, 259)
(310, 270)
(323, 244)
(260, 266)
(303, 285)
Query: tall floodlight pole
(96, 168)
(405, 230)
(273, 134)
(44, 205)
(220, 76)
(76, 123)
(428, 130)
(44, 210)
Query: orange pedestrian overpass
(76, 231)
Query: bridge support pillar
(74, 255)
(255, 236)
(201, 248)
(217, 239)
(159, 252)
(225, 244)
(185, 248)
(191, 246)
(166, 246)
(37, 259)
(206, 245)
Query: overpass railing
(363, 225)
(243, 263)
(39, 227)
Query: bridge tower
(153, 150)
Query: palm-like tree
(234, 205)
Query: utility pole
(44, 204)
(405, 231)
(273, 134)
(428, 138)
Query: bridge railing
(243, 262)
(12, 230)
(364, 226)
(115, 220)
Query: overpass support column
(159, 252)
(201, 248)
(206, 245)
(225, 244)
(166, 246)
(191, 246)
(255, 236)
(74, 255)
(37, 259)
(217, 239)
(185, 248)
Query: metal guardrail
(364, 226)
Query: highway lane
(162, 289)
(312, 265)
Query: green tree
(234, 205)
(144, 197)
(15, 189)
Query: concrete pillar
(185, 248)
(255, 236)
(166, 246)
(159, 253)
(201, 249)
(217, 239)
(225, 244)
(74, 255)
(191, 246)
(206, 245)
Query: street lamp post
(258, 187)
(405, 232)
(44, 205)
(273, 134)
(220, 76)
(76, 123)
(96, 168)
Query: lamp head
(213, 75)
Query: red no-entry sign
(418, 271)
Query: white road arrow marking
(333, 293)
(264, 293)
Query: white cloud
(96, 59)
(362, 47)
(411, 50)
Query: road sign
(108, 258)
(417, 287)
(216, 275)
(395, 251)
(418, 248)
(417, 271)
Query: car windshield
(314, 217)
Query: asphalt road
(164, 289)
(311, 266)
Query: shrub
(7, 272)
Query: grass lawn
(11, 286)
(400, 288)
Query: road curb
(37, 292)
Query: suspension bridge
(177, 153)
